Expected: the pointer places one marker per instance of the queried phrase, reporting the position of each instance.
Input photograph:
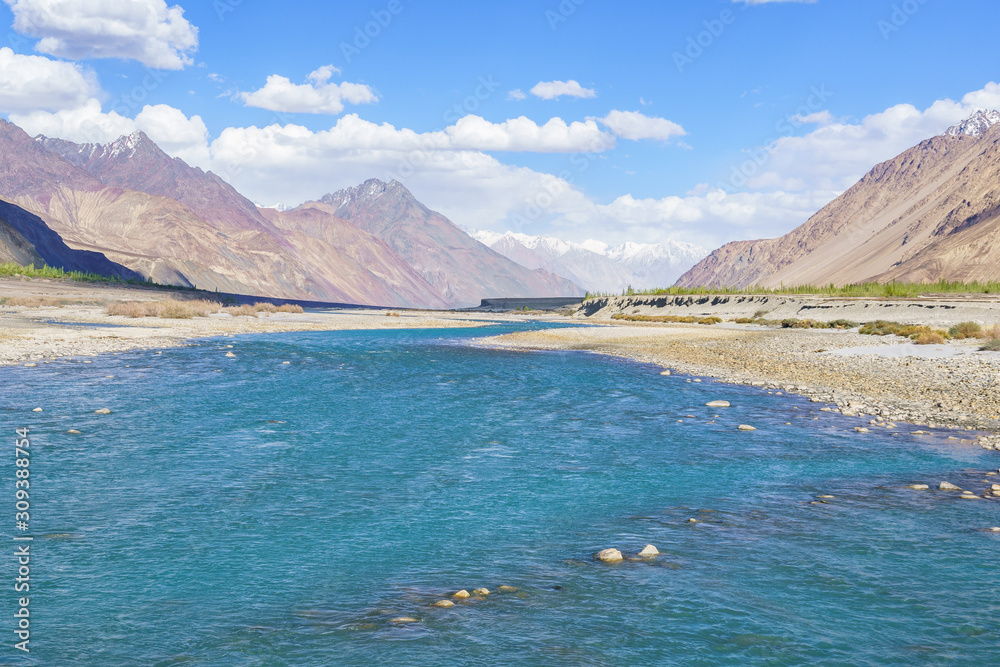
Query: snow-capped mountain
(596, 266)
(976, 124)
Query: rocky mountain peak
(975, 125)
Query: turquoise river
(247, 511)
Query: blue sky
(700, 121)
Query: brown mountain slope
(26, 239)
(366, 267)
(226, 232)
(461, 268)
(929, 213)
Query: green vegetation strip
(8, 270)
(889, 290)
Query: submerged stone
(444, 603)
(609, 556)
(481, 592)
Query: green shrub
(964, 330)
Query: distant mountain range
(931, 213)
(154, 216)
(595, 265)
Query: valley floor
(871, 378)
(80, 328)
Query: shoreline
(40, 335)
(959, 392)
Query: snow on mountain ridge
(594, 264)
(975, 125)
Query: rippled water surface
(250, 512)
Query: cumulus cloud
(516, 95)
(319, 96)
(836, 154)
(551, 90)
(28, 83)
(144, 30)
(635, 126)
(178, 135)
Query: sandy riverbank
(81, 327)
(955, 390)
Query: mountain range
(596, 266)
(156, 217)
(930, 213)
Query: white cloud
(550, 90)
(319, 96)
(178, 135)
(36, 82)
(175, 133)
(837, 154)
(634, 125)
(145, 30)
(516, 95)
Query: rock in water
(403, 619)
(948, 486)
(718, 404)
(102, 411)
(665, 373)
(461, 595)
(481, 592)
(746, 427)
(230, 355)
(508, 589)
(444, 603)
(73, 431)
(609, 556)
(649, 551)
(37, 410)
(918, 487)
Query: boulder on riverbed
(609, 556)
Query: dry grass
(170, 308)
(262, 307)
(32, 302)
(928, 338)
(964, 330)
(665, 319)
